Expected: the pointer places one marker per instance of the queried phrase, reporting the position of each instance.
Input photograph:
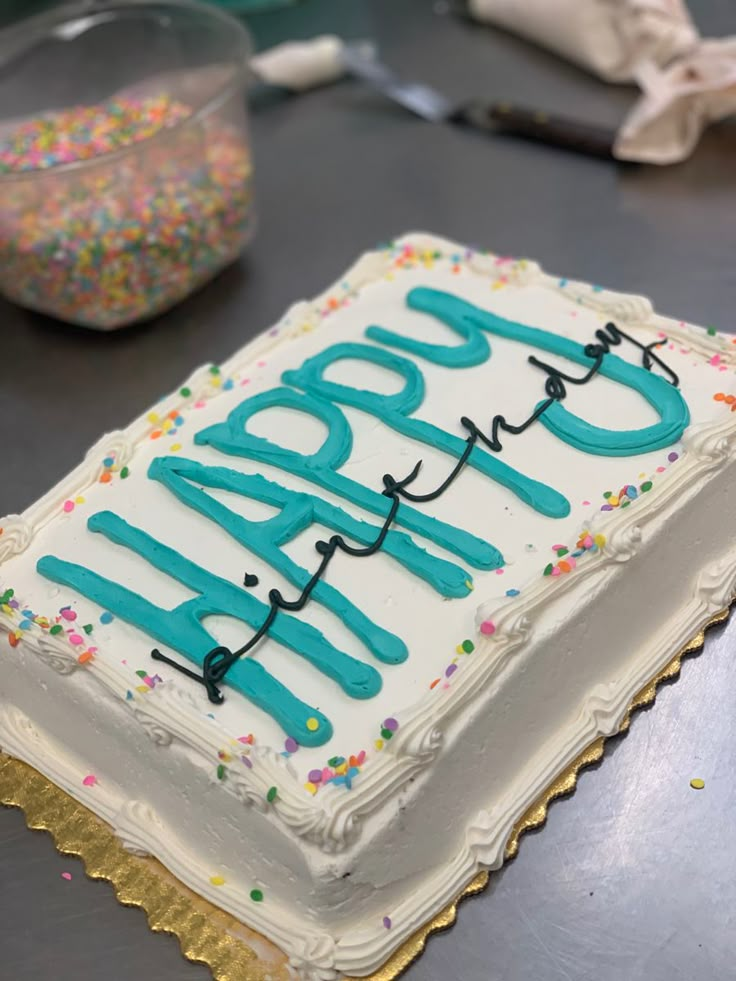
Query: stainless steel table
(634, 877)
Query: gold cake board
(210, 936)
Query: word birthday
(309, 392)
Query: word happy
(399, 524)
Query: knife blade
(489, 116)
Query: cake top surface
(217, 495)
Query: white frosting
(471, 753)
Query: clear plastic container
(125, 165)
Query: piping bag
(686, 82)
(678, 102)
(609, 38)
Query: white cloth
(610, 38)
(686, 82)
(678, 103)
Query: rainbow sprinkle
(567, 560)
(630, 492)
(339, 771)
(84, 132)
(463, 648)
(406, 256)
(109, 468)
(63, 624)
(167, 425)
(130, 235)
(729, 400)
(149, 681)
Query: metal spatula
(491, 117)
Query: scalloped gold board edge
(206, 934)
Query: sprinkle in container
(125, 166)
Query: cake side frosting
(415, 729)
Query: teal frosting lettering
(297, 511)
(322, 468)
(475, 350)
(181, 628)
(664, 398)
(394, 411)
